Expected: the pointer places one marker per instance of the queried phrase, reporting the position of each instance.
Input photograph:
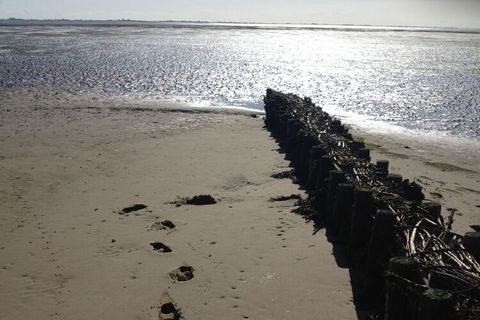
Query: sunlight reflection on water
(417, 80)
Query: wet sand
(70, 164)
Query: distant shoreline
(227, 25)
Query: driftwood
(378, 215)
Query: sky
(436, 13)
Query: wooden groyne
(405, 261)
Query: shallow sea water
(428, 81)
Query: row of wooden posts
(365, 209)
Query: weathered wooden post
(364, 153)
(335, 177)
(324, 167)
(357, 145)
(395, 178)
(382, 169)
(304, 156)
(342, 211)
(293, 140)
(471, 241)
(300, 154)
(336, 126)
(282, 128)
(382, 237)
(316, 152)
(403, 276)
(268, 109)
(293, 127)
(382, 166)
(433, 210)
(437, 304)
(361, 225)
(380, 250)
(293, 155)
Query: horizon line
(13, 19)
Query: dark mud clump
(163, 225)
(199, 200)
(160, 247)
(285, 198)
(183, 273)
(168, 224)
(135, 207)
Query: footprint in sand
(162, 225)
(132, 208)
(168, 310)
(183, 273)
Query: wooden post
(335, 177)
(305, 142)
(382, 237)
(395, 178)
(348, 136)
(336, 126)
(400, 304)
(361, 225)
(307, 146)
(342, 211)
(380, 250)
(292, 137)
(433, 209)
(382, 166)
(296, 148)
(471, 241)
(436, 304)
(364, 153)
(325, 165)
(315, 154)
(356, 146)
(282, 128)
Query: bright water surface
(425, 80)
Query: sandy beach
(70, 164)
(67, 253)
